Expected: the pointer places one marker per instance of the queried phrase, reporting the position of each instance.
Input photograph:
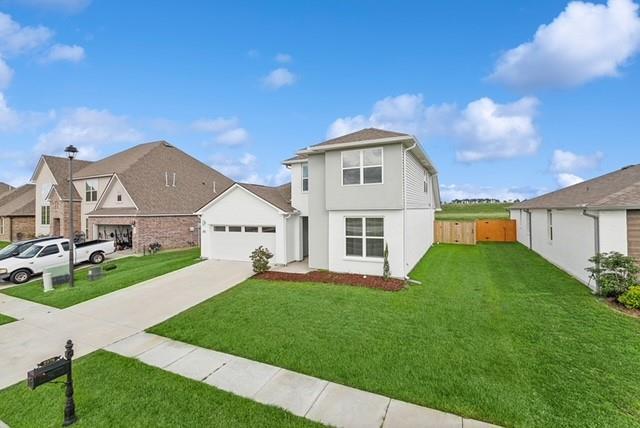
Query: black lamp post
(71, 152)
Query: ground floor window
(2, 226)
(45, 215)
(364, 237)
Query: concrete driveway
(41, 331)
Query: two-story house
(349, 198)
(143, 195)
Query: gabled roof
(279, 196)
(4, 188)
(296, 159)
(363, 135)
(59, 168)
(147, 173)
(19, 202)
(618, 189)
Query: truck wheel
(20, 276)
(96, 258)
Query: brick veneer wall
(170, 232)
(18, 228)
(60, 211)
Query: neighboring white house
(569, 226)
(349, 197)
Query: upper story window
(91, 191)
(119, 197)
(45, 215)
(425, 183)
(362, 166)
(305, 178)
(550, 224)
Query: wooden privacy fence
(470, 232)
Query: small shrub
(631, 297)
(613, 272)
(260, 258)
(386, 270)
(109, 267)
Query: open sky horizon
(509, 99)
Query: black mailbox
(47, 371)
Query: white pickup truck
(49, 254)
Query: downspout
(528, 211)
(596, 240)
(404, 210)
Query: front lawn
(4, 319)
(494, 333)
(129, 271)
(4, 244)
(111, 391)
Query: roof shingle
(20, 202)
(618, 189)
(363, 135)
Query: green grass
(494, 333)
(4, 319)
(470, 212)
(130, 270)
(111, 391)
(4, 244)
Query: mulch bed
(326, 277)
(613, 303)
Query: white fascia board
(328, 147)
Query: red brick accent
(170, 231)
(60, 217)
(18, 228)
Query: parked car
(48, 254)
(16, 248)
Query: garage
(236, 242)
(121, 234)
(243, 218)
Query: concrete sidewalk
(312, 398)
(41, 331)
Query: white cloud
(217, 124)
(566, 161)
(232, 137)
(483, 130)
(89, 130)
(16, 39)
(567, 179)
(245, 170)
(449, 192)
(9, 119)
(12, 120)
(278, 78)
(283, 58)
(69, 53)
(586, 41)
(226, 130)
(62, 5)
(6, 74)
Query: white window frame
(550, 225)
(362, 167)
(94, 185)
(305, 177)
(46, 217)
(425, 183)
(118, 198)
(363, 237)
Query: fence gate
(469, 232)
(496, 230)
(455, 232)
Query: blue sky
(503, 106)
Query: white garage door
(237, 242)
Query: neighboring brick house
(17, 213)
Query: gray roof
(296, 158)
(279, 196)
(4, 188)
(363, 135)
(143, 170)
(60, 169)
(618, 189)
(20, 202)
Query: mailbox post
(50, 370)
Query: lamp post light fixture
(71, 152)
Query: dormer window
(305, 178)
(91, 191)
(362, 166)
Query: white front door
(236, 242)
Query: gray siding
(387, 195)
(318, 215)
(416, 196)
